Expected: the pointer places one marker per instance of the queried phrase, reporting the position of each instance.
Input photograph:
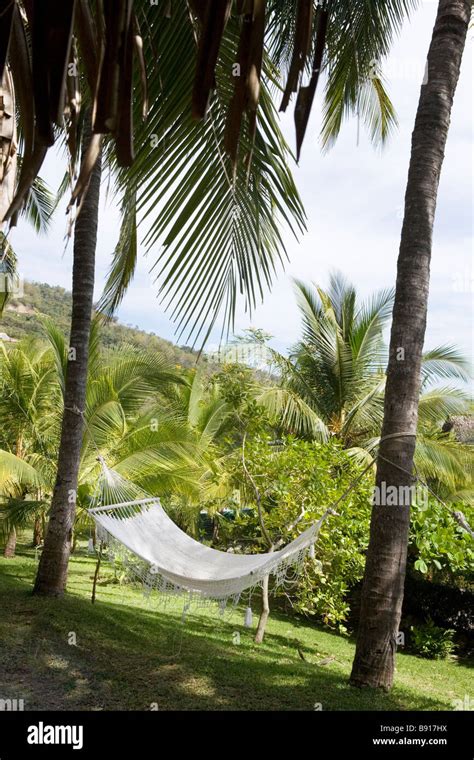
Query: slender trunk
(96, 575)
(52, 570)
(268, 540)
(382, 592)
(37, 531)
(262, 622)
(10, 546)
(264, 614)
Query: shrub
(438, 543)
(431, 641)
(296, 475)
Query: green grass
(130, 655)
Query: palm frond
(443, 363)
(124, 259)
(16, 473)
(292, 413)
(359, 38)
(57, 341)
(438, 404)
(218, 230)
(376, 110)
(440, 459)
(39, 206)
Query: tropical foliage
(337, 371)
(142, 417)
(185, 434)
(298, 481)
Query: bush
(438, 543)
(431, 641)
(296, 475)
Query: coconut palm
(29, 399)
(52, 569)
(333, 382)
(337, 367)
(382, 593)
(229, 172)
(155, 426)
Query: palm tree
(337, 367)
(29, 398)
(333, 382)
(152, 424)
(52, 570)
(382, 593)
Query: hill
(21, 318)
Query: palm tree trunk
(10, 546)
(37, 531)
(52, 570)
(382, 592)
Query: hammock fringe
(155, 584)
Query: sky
(353, 197)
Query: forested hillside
(22, 318)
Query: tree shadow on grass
(130, 657)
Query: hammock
(137, 530)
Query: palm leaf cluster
(154, 426)
(220, 227)
(333, 381)
(41, 43)
(216, 193)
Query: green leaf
(421, 566)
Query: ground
(130, 655)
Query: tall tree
(382, 593)
(52, 570)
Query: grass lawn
(130, 655)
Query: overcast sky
(354, 201)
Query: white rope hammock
(137, 529)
